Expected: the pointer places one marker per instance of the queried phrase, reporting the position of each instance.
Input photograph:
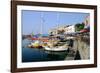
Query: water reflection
(38, 55)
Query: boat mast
(41, 22)
(57, 20)
(41, 25)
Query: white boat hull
(56, 49)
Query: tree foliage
(79, 26)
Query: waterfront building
(70, 29)
(87, 21)
(58, 30)
(53, 31)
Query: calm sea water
(38, 55)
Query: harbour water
(38, 55)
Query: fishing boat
(36, 44)
(57, 48)
(38, 39)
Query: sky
(32, 21)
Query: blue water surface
(38, 55)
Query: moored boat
(57, 48)
(36, 44)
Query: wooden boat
(36, 44)
(58, 48)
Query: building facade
(70, 29)
(87, 21)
